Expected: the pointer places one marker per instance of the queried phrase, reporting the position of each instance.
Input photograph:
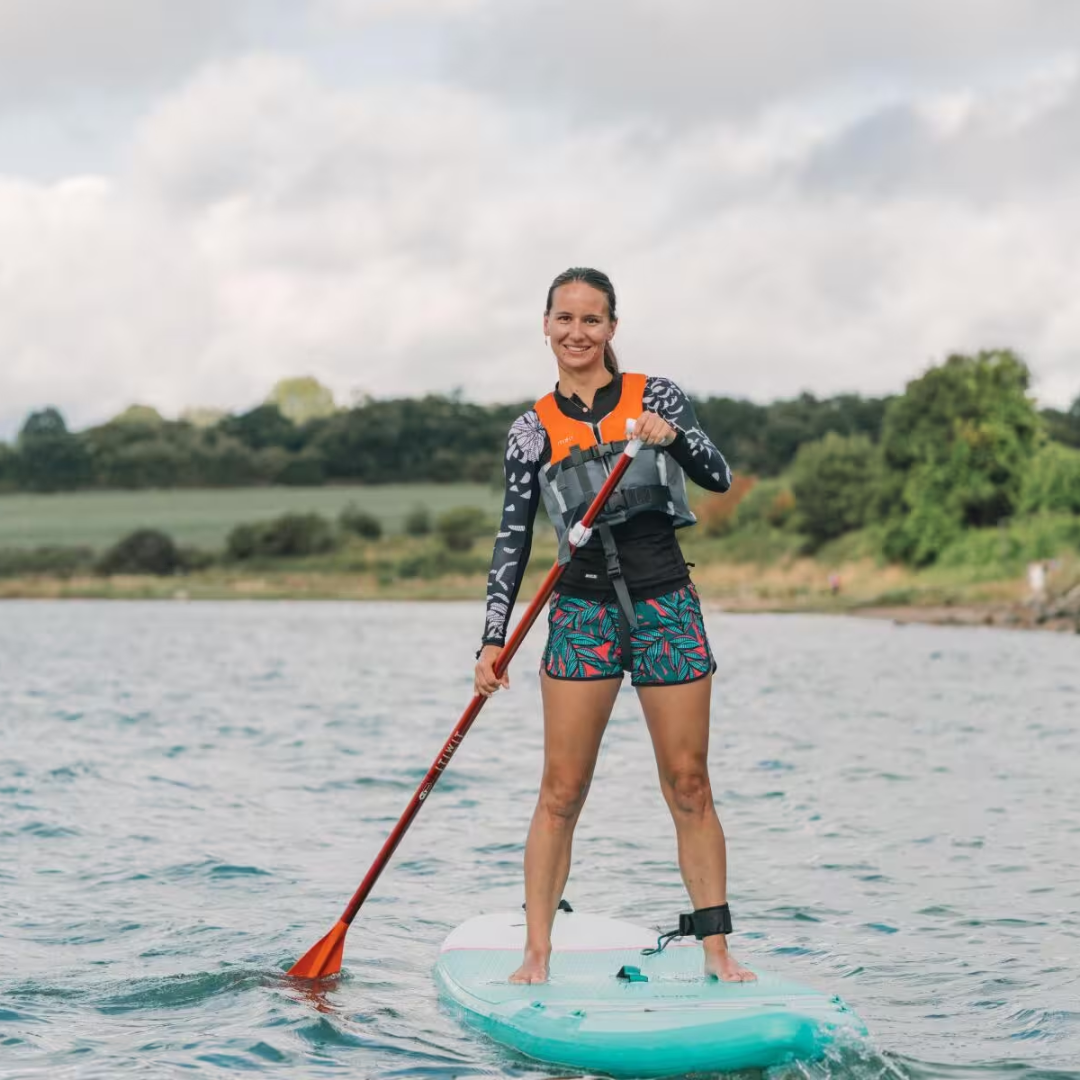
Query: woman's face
(579, 326)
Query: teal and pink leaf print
(669, 645)
(581, 639)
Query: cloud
(1020, 143)
(266, 224)
(355, 13)
(689, 60)
(54, 48)
(102, 301)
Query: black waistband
(607, 592)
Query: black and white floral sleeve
(526, 443)
(693, 449)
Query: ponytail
(611, 361)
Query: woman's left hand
(654, 430)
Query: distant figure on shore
(834, 583)
(1037, 581)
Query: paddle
(324, 957)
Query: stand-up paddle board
(609, 1008)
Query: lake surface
(190, 793)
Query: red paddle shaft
(324, 958)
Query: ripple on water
(178, 991)
(213, 870)
(44, 830)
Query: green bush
(194, 558)
(919, 537)
(243, 541)
(1052, 482)
(955, 448)
(461, 527)
(1064, 425)
(145, 551)
(480, 467)
(1013, 545)
(852, 547)
(897, 597)
(9, 468)
(221, 461)
(285, 536)
(834, 481)
(153, 462)
(436, 562)
(418, 521)
(52, 560)
(302, 470)
(753, 543)
(359, 522)
(769, 502)
(298, 534)
(51, 458)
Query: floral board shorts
(669, 645)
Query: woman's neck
(583, 383)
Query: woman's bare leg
(678, 719)
(575, 716)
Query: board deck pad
(586, 1017)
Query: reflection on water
(190, 794)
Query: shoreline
(1010, 618)
(724, 588)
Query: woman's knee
(562, 795)
(688, 790)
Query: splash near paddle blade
(324, 957)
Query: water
(191, 792)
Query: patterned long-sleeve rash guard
(653, 534)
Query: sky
(199, 199)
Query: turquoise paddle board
(667, 1018)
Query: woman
(625, 602)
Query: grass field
(204, 517)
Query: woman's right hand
(486, 681)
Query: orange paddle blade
(324, 957)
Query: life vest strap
(633, 498)
(658, 495)
(627, 616)
(578, 456)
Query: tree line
(962, 450)
(433, 438)
(963, 447)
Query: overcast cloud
(830, 207)
(49, 48)
(691, 60)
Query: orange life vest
(565, 432)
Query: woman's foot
(720, 964)
(534, 968)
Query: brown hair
(599, 281)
